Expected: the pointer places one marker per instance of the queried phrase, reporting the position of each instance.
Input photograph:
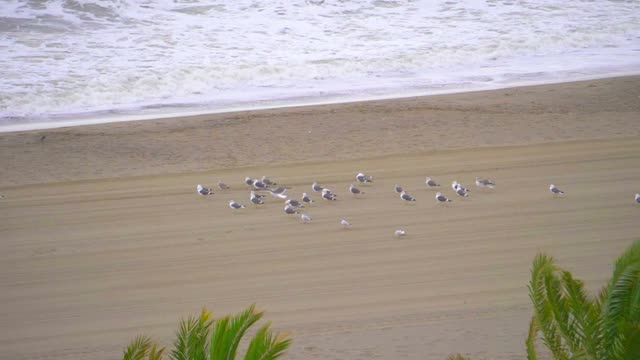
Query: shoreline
(595, 109)
(98, 118)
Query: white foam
(73, 61)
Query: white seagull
(485, 183)
(306, 199)
(328, 195)
(256, 199)
(248, 181)
(235, 206)
(305, 218)
(294, 203)
(431, 183)
(345, 224)
(554, 190)
(362, 178)
(279, 192)
(397, 188)
(399, 233)
(290, 210)
(637, 198)
(316, 187)
(203, 191)
(456, 185)
(441, 198)
(259, 185)
(354, 190)
(406, 197)
(223, 186)
(268, 181)
(462, 192)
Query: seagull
(259, 185)
(256, 199)
(268, 181)
(456, 185)
(441, 198)
(354, 190)
(306, 199)
(305, 218)
(554, 190)
(400, 232)
(462, 192)
(235, 206)
(294, 203)
(406, 197)
(279, 192)
(362, 178)
(203, 190)
(255, 194)
(345, 224)
(316, 187)
(223, 186)
(328, 195)
(290, 210)
(248, 181)
(637, 198)
(431, 183)
(398, 188)
(485, 183)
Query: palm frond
(138, 348)
(156, 352)
(531, 340)
(191, 339)
(236, 328)
(584, 316)
(617, 309)
(457, 357)
(543, 270)
(217, 347)
(267, 346)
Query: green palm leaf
(138, 348)
(531, 340)
(541, 277)
(191, 340)
(267, 346)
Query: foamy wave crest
(65, 57)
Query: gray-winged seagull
(362, 178)
(235, 206)
(203, 191)
(328, 195)
(306, 199)
(290, 210)
(431, 183)
(441, 198)
(354, 190)
(554, 190)
(406, 197)
(485, 183)
(316, 187)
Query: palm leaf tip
(138, 348)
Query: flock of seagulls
(260, 187)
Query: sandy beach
(103, 236)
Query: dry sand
(88, 264)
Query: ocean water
(80, 61)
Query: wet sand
(105, 237)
